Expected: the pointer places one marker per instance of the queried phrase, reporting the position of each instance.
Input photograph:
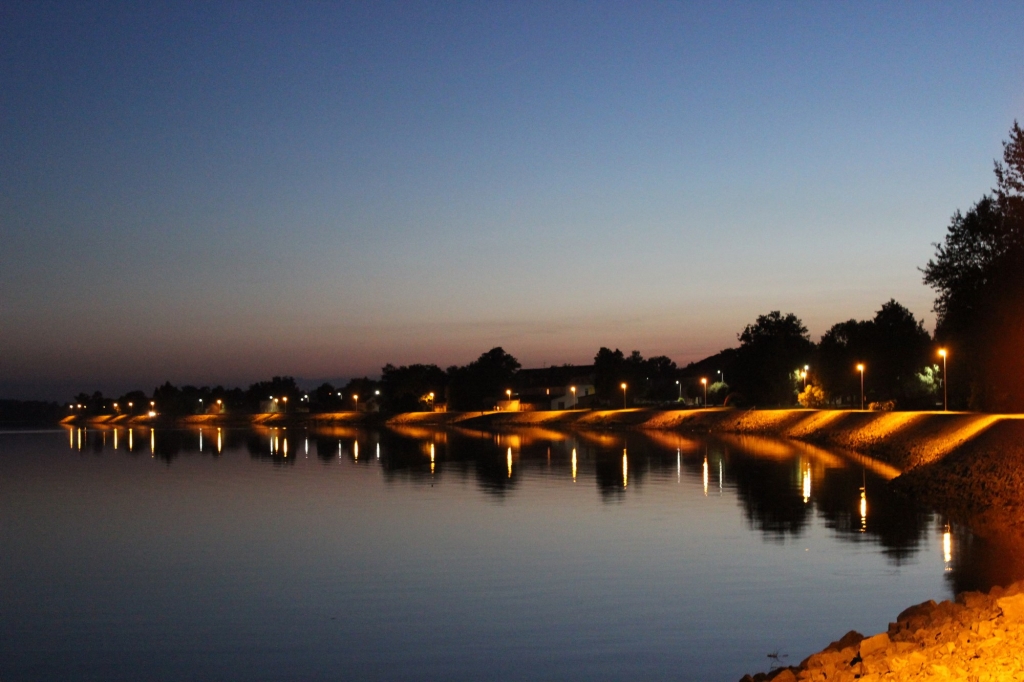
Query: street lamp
(355, 397)
(680, 390)
(705, 382)
(803, 375)
(508, 394)
(945, 382)
(721, 375)
(573, 389)
(623, 387)
(860, 368)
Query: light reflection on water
(454, 554)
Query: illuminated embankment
(904, 439)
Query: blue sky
(218, 193)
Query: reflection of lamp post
(680, 390)
(623, 387)
(573, 389)
(705, 382)
(860, 368)
(945, 384)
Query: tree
(893, 345)
(843, 346)
(812, 396)
(365, 388)
(978, 276)
(609, 372)
(405, 388)
(770, 350)
(477, 385)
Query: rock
(873, 644)
(849, 639)
(1013, 607)
(971, 640)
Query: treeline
(977, 273)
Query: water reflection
(780, 485)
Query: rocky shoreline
(977, 638)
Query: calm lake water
(447, 555)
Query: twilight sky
(216, 194)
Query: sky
(221, 192)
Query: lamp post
(860, 368)
(803, 375)
(623, 387)
(508, 395)
(355, 397)
(721, 375)
(680, 390)
(573, 389)
(945, 382)
(704, 381)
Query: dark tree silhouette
(771, 350)
(405, 388)
(894, 346)
(978, 277)
(479, 384)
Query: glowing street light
(803, 375)
(355, 397)
(573, 389)
(508, 394)
(623, 387)
(704, 381)
(860, 368)
(945, 383)
(680, 390)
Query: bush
(882, 406)
(812, 396)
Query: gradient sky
(216, 194)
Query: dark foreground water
(446, 555)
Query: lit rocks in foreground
(979, 638)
